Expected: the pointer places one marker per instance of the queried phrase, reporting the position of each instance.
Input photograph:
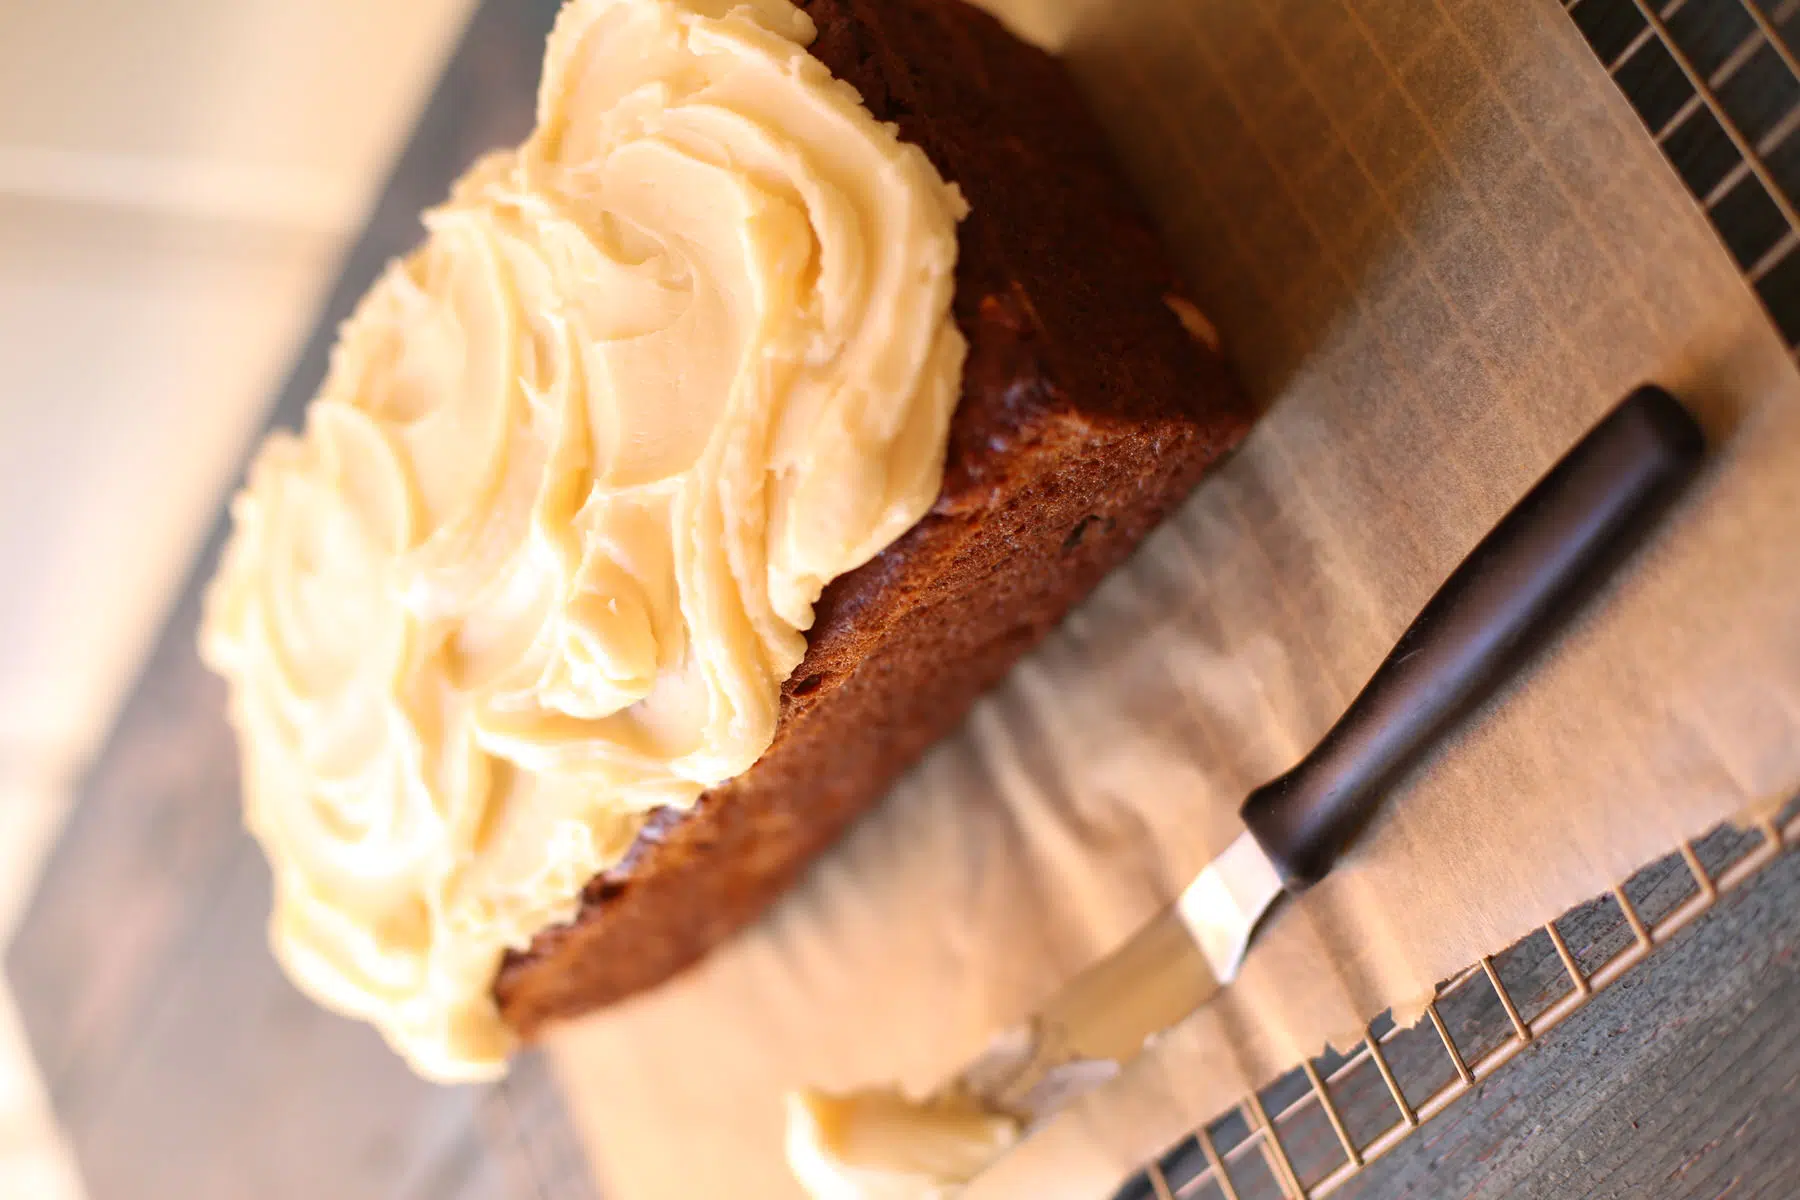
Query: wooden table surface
(180, 1061)
(183, 1066)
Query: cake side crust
(1087, 414)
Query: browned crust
(1087, 413)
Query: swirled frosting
(548, 542)
(879, 1145)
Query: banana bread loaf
(1091, 404)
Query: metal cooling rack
(1309, 1133)
(1717, 84)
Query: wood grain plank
(179, 1059)
(1681, 1081)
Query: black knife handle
(1512, 591)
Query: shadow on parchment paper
(1298, 155)
(1355, 190)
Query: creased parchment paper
(1438, 245)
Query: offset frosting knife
(1516, 588)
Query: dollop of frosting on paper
(880, 1145)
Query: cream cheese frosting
(552, 533)
(879, 1145)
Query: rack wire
(1716, 84)
(1310, 1133)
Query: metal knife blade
(1105, 1016)
(1519, 584)
(1515, 589)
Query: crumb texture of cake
(1090, 407)
(549, 542)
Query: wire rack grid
(1716, 84)
(1309, 1133)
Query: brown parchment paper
(1438, 245)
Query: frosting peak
(552, 533)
